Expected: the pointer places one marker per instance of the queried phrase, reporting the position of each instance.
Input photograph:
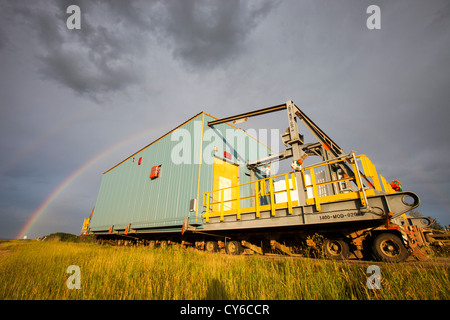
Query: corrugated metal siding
(218, 138)
(128, 195)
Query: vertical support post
(200, 154)
(294, 185)
(288, 193)
(362, 193)
(221, 205)
(330, 173)
(207, 206)
(316, 192)
(238, 216)
(257, 199)
(297, 151)
(252, 179)
(272, 198)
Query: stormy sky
(73, 103)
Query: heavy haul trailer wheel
(234, 247)
(152, 244)
(336, 249)
(211, 246)
(390, 248)
(163, 244)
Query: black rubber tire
(211, 246)
(389, 247)
(163, 244)
(152, 244)
(336, 249)
(234, 247)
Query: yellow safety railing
(365, 179)
(365, 182)
(262, 191)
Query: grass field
(37, 270)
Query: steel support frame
(297, 151)
(326, 148)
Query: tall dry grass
(37, 270)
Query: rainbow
(44, 205)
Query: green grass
(37, 270)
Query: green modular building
(205, 183)
(156, 188)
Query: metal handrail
(358, 176)
(257, 207)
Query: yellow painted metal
(199, 168)
(257, 199)
(358, 181)
(238, 191)
(225, 178)
(221, 204)
(340, 196)
(370, 171)
(294, 184)
(263, 188)
(288, 193)
(86, 223)
(387, 187)
(316, 191)
(207, 207)
(272, 198)
(321, 164)
(326, 182)
(220, 207)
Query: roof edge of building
(179, 126)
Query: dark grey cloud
(92, 61)
(207, 34)
(116, 38)
(153, 64)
